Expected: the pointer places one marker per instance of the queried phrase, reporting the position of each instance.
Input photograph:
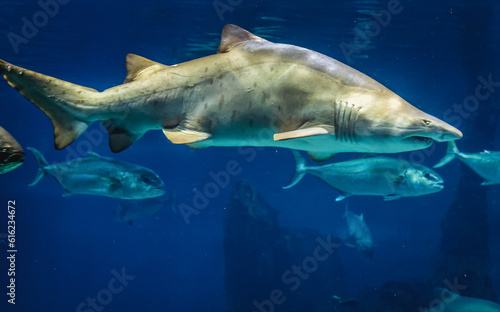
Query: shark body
(251, 93)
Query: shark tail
(61, 101)
(42, 163)
(300, 169)
(450, 154)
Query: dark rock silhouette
(272, 268)
(464, 252)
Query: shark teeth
(425, 140)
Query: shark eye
(426, 122)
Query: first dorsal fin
(135, 65)
(232, 35)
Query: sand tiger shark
(251, 93)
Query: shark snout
(444, 131)
(450, 134)
(438, 130)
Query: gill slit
(345, 116)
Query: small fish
(131, 210)
(348, 302)
(381, 176)
(359, 233)
(451, 302)
(97, 175)
(253, 92)
(486, 164)
(11, 153)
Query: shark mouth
(419, 139)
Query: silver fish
(251, 93)
(11, 153)
(359, 233)
(486, 164)
(451, 302)
(97, 175)
(382, 176)
(132, 210)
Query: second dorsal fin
(135, 65)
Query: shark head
(393, 125)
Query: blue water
(69, 246)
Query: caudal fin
(41, 166)
(300, 169)
(451, 151)
(61, 101)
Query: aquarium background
(431, 53)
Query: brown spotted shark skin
(251, 93)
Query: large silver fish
(252, 92)
(486, 164)
(451, 302)
(359, 233)
(382, 176)
(11, 153)
(97, 175)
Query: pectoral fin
(93, 155)
(488, 183)
(67, 194)
(343, 195)
(391, 197)
(180, 135)
(303, 132)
